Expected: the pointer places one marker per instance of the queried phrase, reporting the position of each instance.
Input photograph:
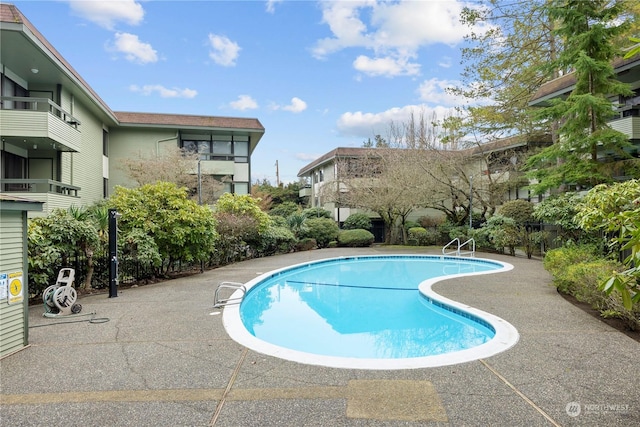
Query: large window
(241, 187)
(241, 149)
(105, 143)
(218, 147)
(10, 88)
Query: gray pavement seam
(520, 394)
(232, 380)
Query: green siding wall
(84, 169)
(13, 330)
(134, 143)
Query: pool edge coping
(506, 335)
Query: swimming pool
(368, 312)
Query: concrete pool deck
(165, 359)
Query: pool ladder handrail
(221, 302)
(471, 244)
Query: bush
(276, 239)
(582, 279)
(284, 209)
(323, 230)
(316, 213)
(279, 221)
(429, 221)
(501, 231)
(556, 261)
(422, 237)
(410, 224)
(579, 270)
(181, 229)
(355, 238)
(236, 234)
(357, 221)
(306, 244)
(521, 211)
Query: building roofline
(10, 14)
(189, 121)
(333, 154)
(564, 84)
(9, 202)
(479, 149)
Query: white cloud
(134, 50)
(223, 51)
(163, 91)
(345, 24)
(271, 5)
(244, 102)
(297, 105)
(434, 91)
(107, 13)
(388, 66)
(445, 62)
(366, 125)
(393, 31)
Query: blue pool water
(365, 308)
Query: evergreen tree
(588, 30)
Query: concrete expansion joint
(232, 380)
(519, 393)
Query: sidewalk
(164, 359)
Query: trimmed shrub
(357, 221)
(410, 224)
(422, 237)
(276, 239)
(355, 238)
(323, 230)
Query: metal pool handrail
(471, 243)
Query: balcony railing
(38, 186)
(38, 104)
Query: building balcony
(304, 192)
(630, 126)
(53, 194)
(38, 120)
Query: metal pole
(200, 203)
(199, 184)
(470, 202)
(113, 253)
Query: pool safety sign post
(12, 287)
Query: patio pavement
(164, 359)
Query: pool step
(218, 301)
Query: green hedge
(579, 271)
(355, 238)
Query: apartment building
(627, 108)
(62, 145)
(498, 161)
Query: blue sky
(317, 74)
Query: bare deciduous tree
(173, 165)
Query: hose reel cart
(60, 299)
